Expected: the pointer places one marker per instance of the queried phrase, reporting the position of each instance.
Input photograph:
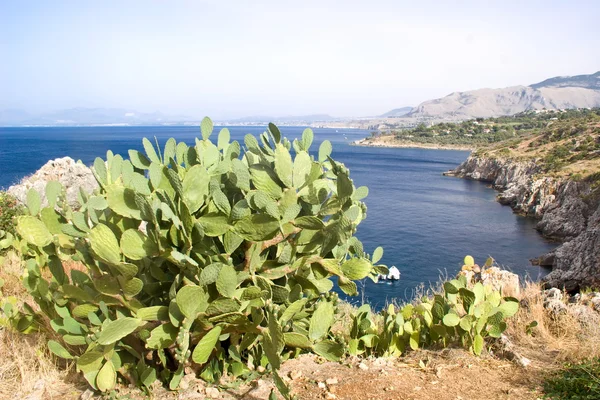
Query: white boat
(393, 274)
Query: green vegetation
(458, 315)
(482, 132)
(576, 381)
(9, 209)
(221, 260)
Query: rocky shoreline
(568, 211)
(378, 142)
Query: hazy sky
(239, 58)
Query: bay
(425, 222)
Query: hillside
(562, 141)
(582, 91)
(396, 112)
(585, 81)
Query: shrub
(207, 256)
(9, 209)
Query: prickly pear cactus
(219, 256)
(457, 315)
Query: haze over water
(425, 222)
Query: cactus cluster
(217, 257)
(457, 315)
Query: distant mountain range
(88, 116)
(117, 116)
(581, 91)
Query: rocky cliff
(568, 211)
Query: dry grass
(27, 369)
(560, 337)
(11, 272)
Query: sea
(425, 222)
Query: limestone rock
(70, 174)
(585, 315)
(568, 211)
(505, 281)
(212, 393)
(500, 279)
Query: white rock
(363, 366)
(331, 381)
(70, 174)
(212, 392)
(295, 375)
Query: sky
(230, 59)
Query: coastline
(568, 211)
(410, 145)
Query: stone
(505, 281)
(87, 395)
(330, 396)
(585, 315)
(72, 175)
(331, 381)
(553, 294)
(295, 375)
(508, 350)
(363, 366)
(322, 385)
(555, 307)
(212, 393)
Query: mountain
(581, 91)
(585, 81)
(13, 117)
(396, 112)
(88, 116)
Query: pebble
(212, 392)
(322, 385)
(87, 395)
(295, 375)
(331, 381)
(330, 396)
(363, 366)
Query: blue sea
(425, 222)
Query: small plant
(530, 328)
(575, 381)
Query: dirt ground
(450, 374)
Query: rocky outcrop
(568, 211)
(72, 175)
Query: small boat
(393, 274)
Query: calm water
(425, 222)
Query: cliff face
(568, 211)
